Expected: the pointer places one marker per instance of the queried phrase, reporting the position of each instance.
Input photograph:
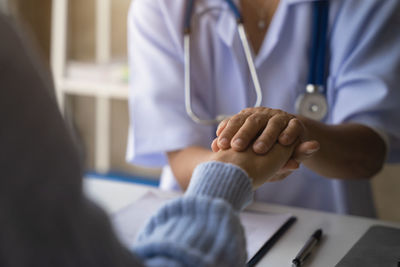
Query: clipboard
(379, 246)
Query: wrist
(222, 180)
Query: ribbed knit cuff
(222, 180)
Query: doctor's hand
(261, 128)
(260, 167)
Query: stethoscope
(312, 103)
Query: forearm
(347, 150)
(184, 161)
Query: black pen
(307, 248)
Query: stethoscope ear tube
(187, 68)
(250, 63)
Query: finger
(222, 126)
(270, 134)
(306, 150)
(291, 165)
(231, 128)
(249, 130)
(214, 145)
(293, 130)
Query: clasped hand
(261, 131)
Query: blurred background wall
(36, 15)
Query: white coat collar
(227, 28)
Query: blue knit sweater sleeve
(201, 228)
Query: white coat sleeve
(159, 122)
(365, 63)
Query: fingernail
(260, 147)
(294, 168)
(238, 142)
(311, 151)
(223, 142)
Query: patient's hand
(261, 168)
(261, 128)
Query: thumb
(306, 150)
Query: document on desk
(260, 227)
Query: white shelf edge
(95, 89)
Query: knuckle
(278, 112)
(244, 114)
(236, 120)
(225, 121)
(297, 126)
(222, 123)
(246, 111)
(270, 110)
(265, 113)
(295, 123)
(254, 120)
(278, 122)
(243, 111)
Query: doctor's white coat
(362, 84)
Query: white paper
(259, 226)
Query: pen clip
(307, 248)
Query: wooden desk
(341, 232)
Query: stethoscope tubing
(316, 75)
(317, 69)
(187, 62)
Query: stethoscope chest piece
(312, 104)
